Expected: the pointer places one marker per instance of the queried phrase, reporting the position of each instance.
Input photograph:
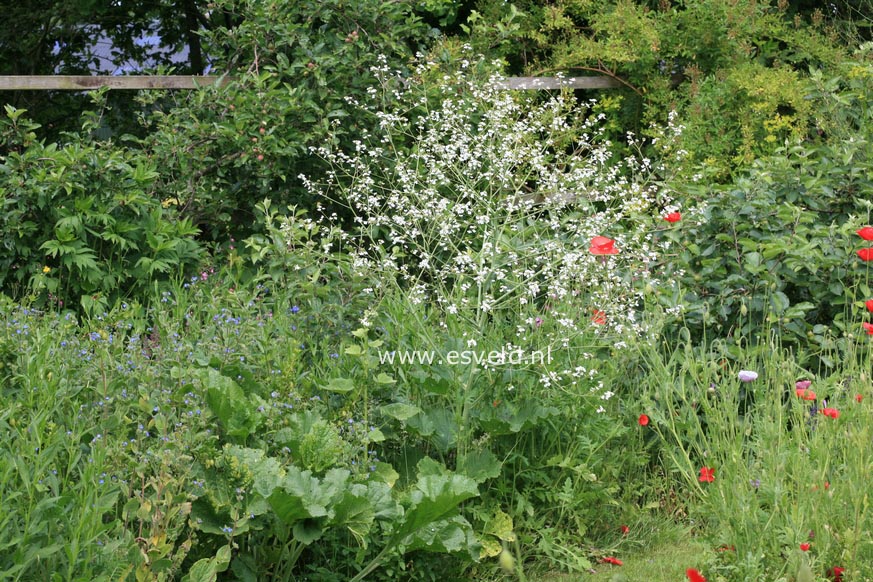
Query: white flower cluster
(488, 201)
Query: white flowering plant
(488, 221)
(481, 202)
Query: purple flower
(747, 375)
(802, 384)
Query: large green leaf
(479, 465)
(438, 425)
(266, 472)
(446, 536)
(339, 385)
(385, 507)
(302, 496)
(207, 569)
(510, 419)
(355, 512)
(241, 375)
(227, 401)
(400, 410)
(434, 498)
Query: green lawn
(656, 564)
(672, 551)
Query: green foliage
(67, 39)
(778, 245)
(258, 421)
(785, 474)
(83, 220)
(297, 69)
(732, 69)
(231, 405)
(196, 443)
(749, 110)
(316, 443)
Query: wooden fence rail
(536, 83)
(90, 83)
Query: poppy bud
(506, 561)
(744, 310)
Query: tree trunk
(192, 25)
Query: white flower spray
(486, 202)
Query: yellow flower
(46, 269)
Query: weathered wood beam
(534, 83)
(90, 83)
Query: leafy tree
(200, 160)
(298, 70)
(735, 69)
(63, 41)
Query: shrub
(83, 221)
(732, 69)
(473, 214)
(293, 69)
(778, 245)
(492, 208)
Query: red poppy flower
(694, 575)
(831, 412)
(625, 530)
(866, 233)
(837, 573)
(673, 217)
(707, 475)
(599, 317)
(805, 393)
(869, 305)
(643, 420)
(859, 397)
(865, 254)
(613, 561)
(868, 327)
(804, 547)
(600, 245)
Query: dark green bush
(298, 69)
(83, 220)
(778, 245)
